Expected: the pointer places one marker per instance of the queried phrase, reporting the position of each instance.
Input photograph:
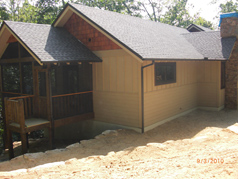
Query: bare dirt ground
(199, 145)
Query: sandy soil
(199, 145)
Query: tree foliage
(3, 12)
(177, 14)
(202, 22)
(173, 12)
(229, 6)
(121, 6)
(47, 10)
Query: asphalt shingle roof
(210, 44)
(51, 44)
(147, 39)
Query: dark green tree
(4, 15)
(28, 13)
(203, 22)
(47, 10)
(177, 14)
(229, 6)
(121, 6)
(152, 8)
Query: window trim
(174, 65)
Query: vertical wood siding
(116, 88)
(209, 82)
(197, 85)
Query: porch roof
(50, 44)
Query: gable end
(88, 35)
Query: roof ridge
(134, 17)
(18, 22)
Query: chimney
(229, 25)
(229, 28)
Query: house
(120, 71)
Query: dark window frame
(223, 75)
(164, 75)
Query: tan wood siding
(210, 93)
(164, 101)
(162, 104)
(116, 89)
(117, 108)
(197, 85)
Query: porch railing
(67, 105)
(28, 105)
(27, 101)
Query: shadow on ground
(185, 127)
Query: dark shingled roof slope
(145, 38)
(51, 44)
(211, 45)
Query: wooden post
(49, 105)
(8, 142)
(1, 88)
(20, 68)
(35, 91)
(21, 116)
(6, 146)
(21, 78)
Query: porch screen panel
(67, 81)
(11, 77)
(42, 83)
(85, 77)
(70, 79)
(27, 78)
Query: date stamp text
(211, 160)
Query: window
(165, 73)
(223, 75)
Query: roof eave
(73, 61)
(184, 59)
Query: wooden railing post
(21, 119)
(49, 107)
(9, 144)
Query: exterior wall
(231, 96)
(210, 93)
(88, 35)
(164, 101)
(229, 28)
(197, 85)
(116, 83)
(116, 92)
